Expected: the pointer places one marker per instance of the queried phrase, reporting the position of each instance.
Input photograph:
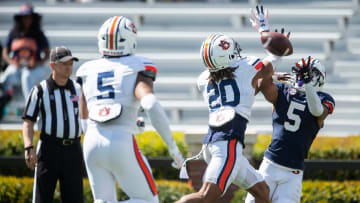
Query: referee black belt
(59, 141)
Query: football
(276, 43)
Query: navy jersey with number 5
(294, 127)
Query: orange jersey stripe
(145, 170)
(259, 65)
(330, 106)
(111, 41)
(229, 165)
(206, 51)
(151, 68)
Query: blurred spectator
(2, 62)
(26, 49)
(4, 97)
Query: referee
(58, 155)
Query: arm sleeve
(255, 62)
(313, 100)
(31, 110)
(158, 119)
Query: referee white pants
(285, 184)
(111, 155)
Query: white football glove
(177, 156)
(260, 20)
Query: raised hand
(260, 19)
(304, 70)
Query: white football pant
(285, 184)
(111, 155)
(226, 165)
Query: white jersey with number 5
(237, 93)
(112, 81)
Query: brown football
(276, 43)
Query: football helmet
(219, 51)
(318, 72)
(117, 37)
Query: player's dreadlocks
(227, 73)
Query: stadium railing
(238, 15)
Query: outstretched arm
(264, 82)
(144, 93)
(315, 105)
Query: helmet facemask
(318, 79)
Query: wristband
(28, 148)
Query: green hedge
(322, 148)
(150, 143)
(322, 192)
(19, 190)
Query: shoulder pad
(253, 61)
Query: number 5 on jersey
(294, 117)
(109, 89)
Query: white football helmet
(117, 37)
(219, 51)
(318, 72)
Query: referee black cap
(61, 54)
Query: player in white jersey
(229, 85)
(113, 88)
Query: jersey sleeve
(31, 110)
(328, 101)
(149, 68)
(255, 62)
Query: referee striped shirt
(57, 108)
